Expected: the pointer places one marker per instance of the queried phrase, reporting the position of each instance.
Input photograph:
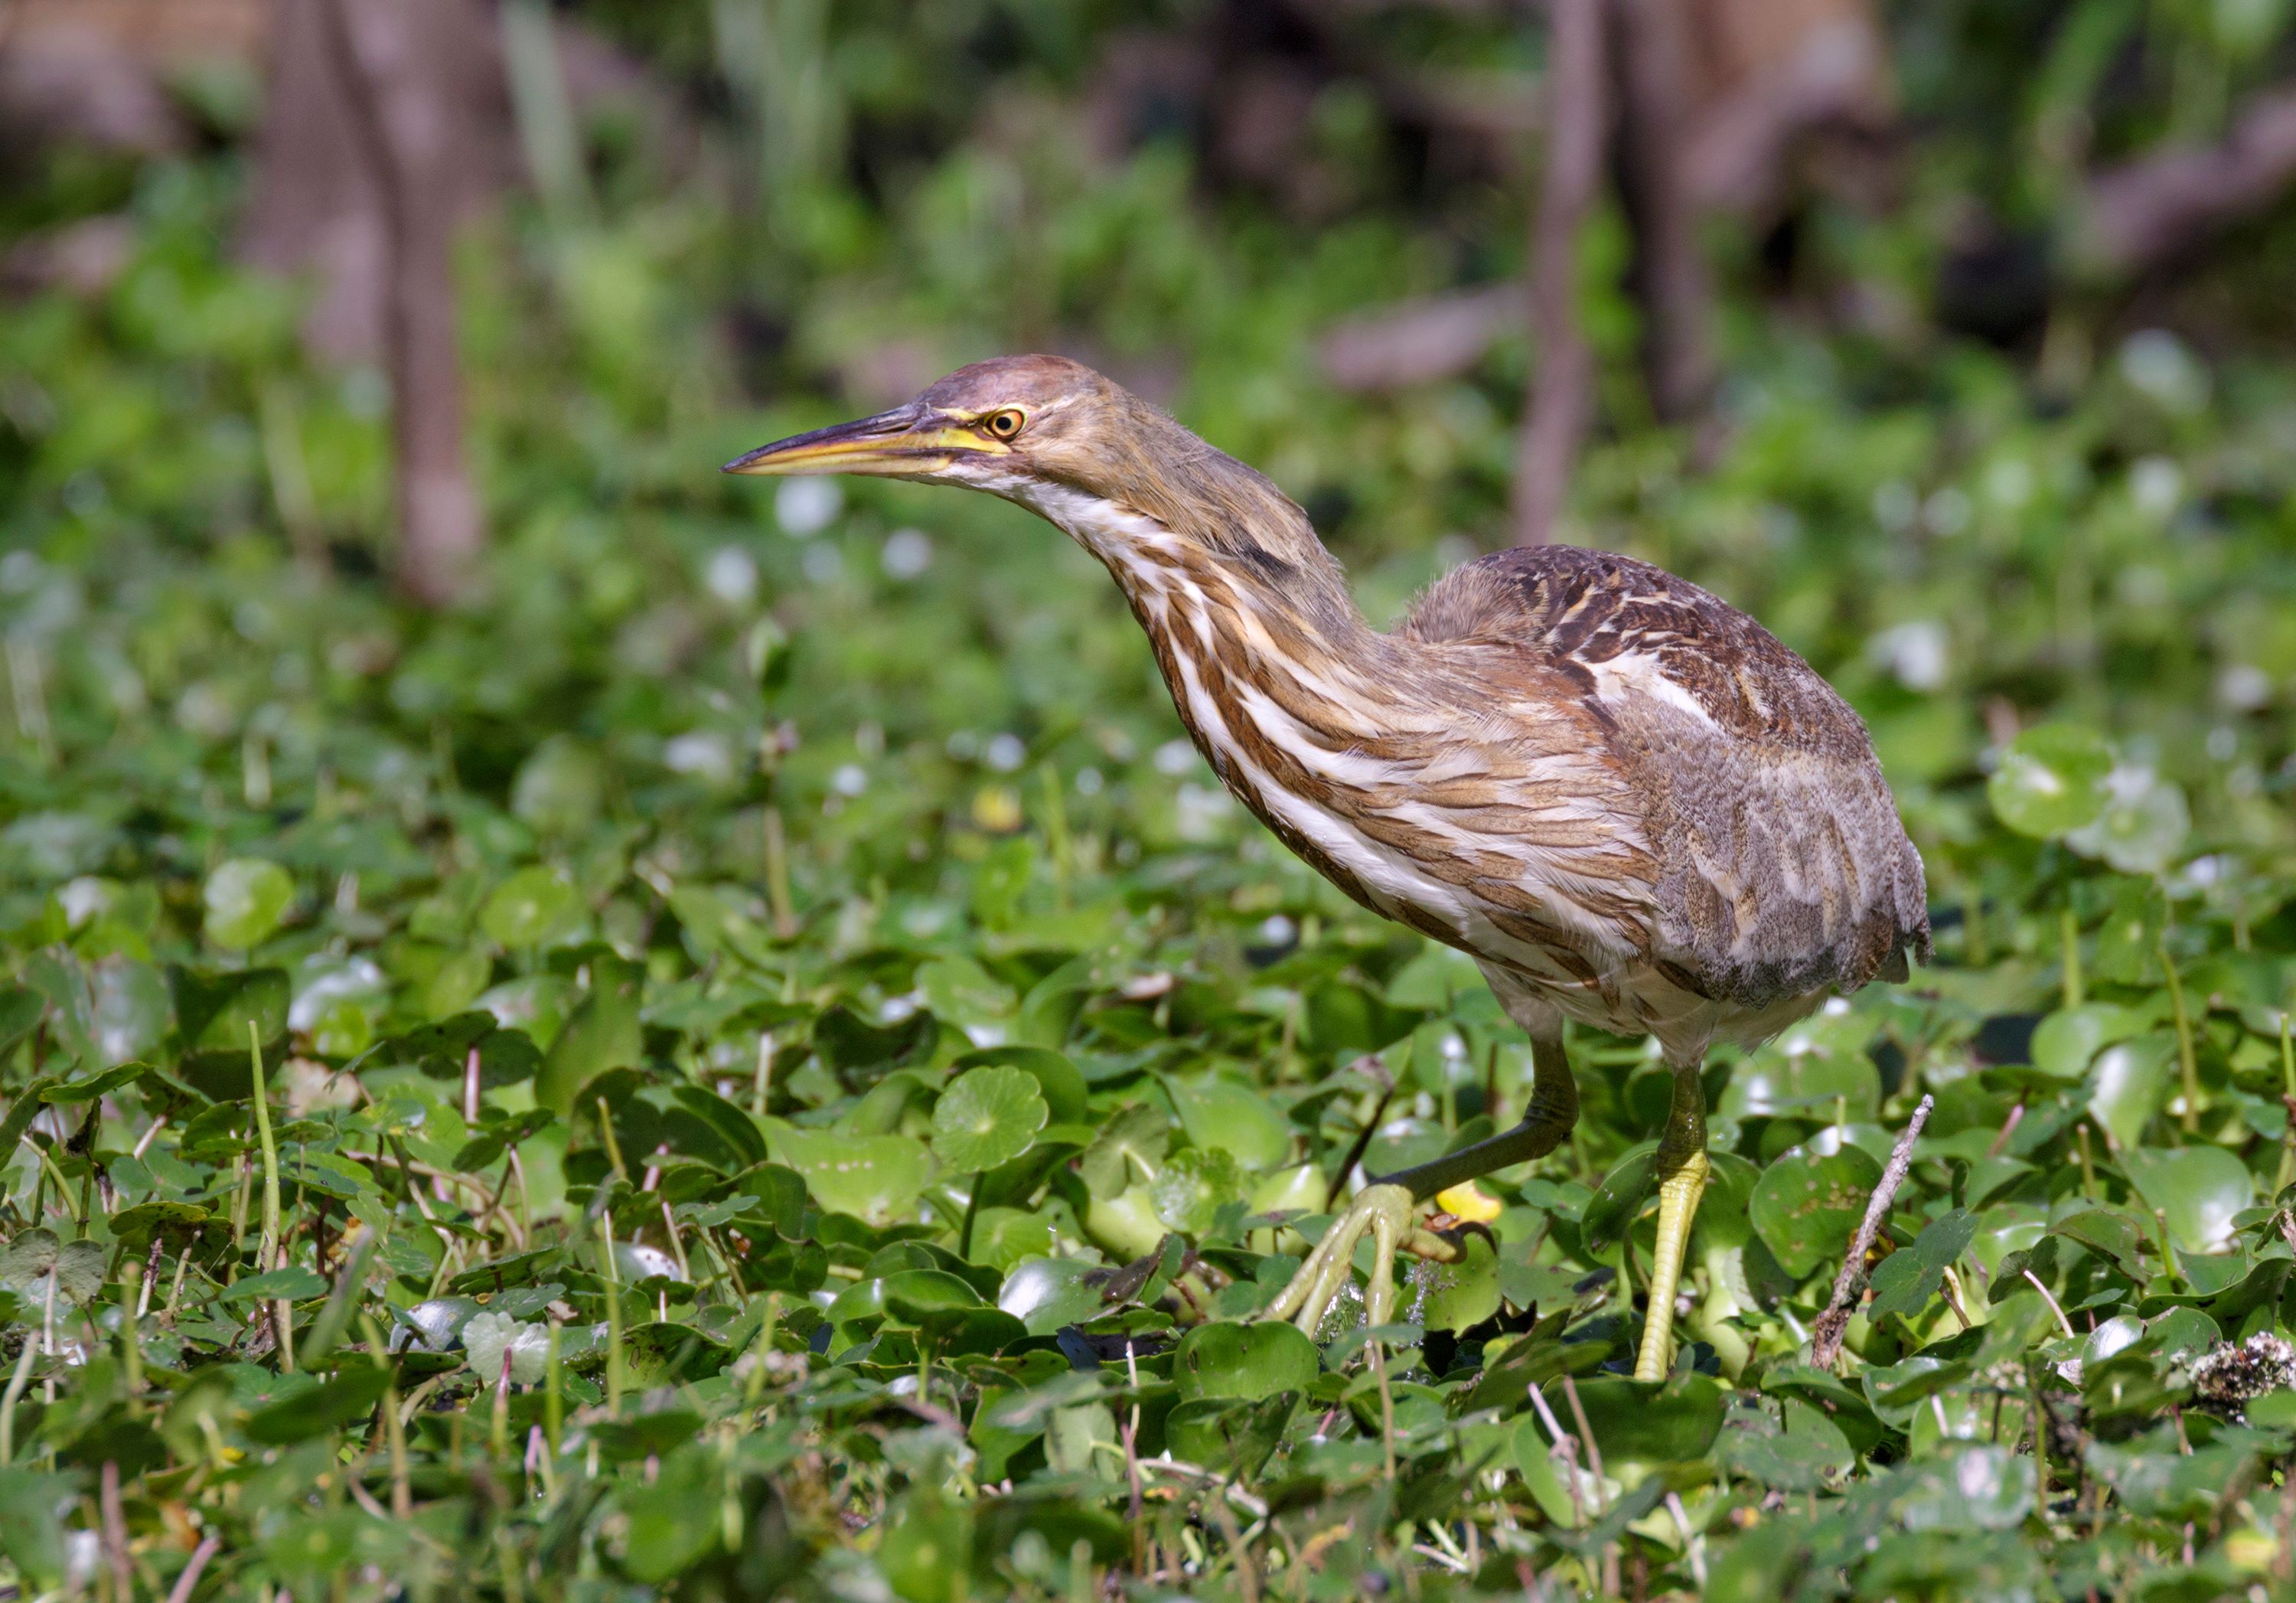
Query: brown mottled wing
(1783, 868)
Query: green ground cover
(772, 1061)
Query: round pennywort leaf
(529, 908)
(2143, 824)
(1807, 1203)
(246, 897)
(989, 1116)
(2052, 780)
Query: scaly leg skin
(1680, 1163)
(1386, 1207)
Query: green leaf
(487, 1337)
(245, 899)
(2127, 950)
(1130, 1145)
(561, 787)
(533, 908)
(1250, 1362)
(1980, 1487)
(2051, 780)
(664, 1352)
(1619, 1198)
(2129, 1078)
(1807, 1453)
(1907, 1280)
(2200, 1190)
(294, 1282)
(1237, 1120)
(28, 1257)
(2143, 827)
(1807, 1205)
(314, 1411)
(846, 1044)
(21, 1010)
(2067, 1042)
(1062, 1087)
(1672, 1422)
(87, 1088)
(875, 1178)
(1046, 1294)
(1188, 1192)
(961, 991)
(1229, 1436)
(605, 1032)
(989, 1116)
(1460, 1294)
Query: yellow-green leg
(1385, 1207)
(1680, 1165)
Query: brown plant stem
(1826, 1345)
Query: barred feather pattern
(1630, 804)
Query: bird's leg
(1680, 1165)
(1385, 1206)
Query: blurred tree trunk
(1668, 278)
(398, 65)
(385, 124)
(1563, 395)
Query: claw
(1386, 1211)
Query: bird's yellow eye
(1005, 424)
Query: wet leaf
(988, 1116)
(2051, 780)
(1223, 1116)
(246, 897)
(2200, 1189)
(531, 909)
(1247, 1361)
(1673, 1421)
(1047, 1293)
(1807, 1204)
(875, 1178)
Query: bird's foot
(1386, 1211)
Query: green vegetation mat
(753, 1060)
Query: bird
(1629, 803)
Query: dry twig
(1825, 1343)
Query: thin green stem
(553, 1394)
(614, 1315)
(2068, 941)
(971, 1208)
(268, 1256)
(2187, 1054)
(2287, 1101)
(64, 1188)
(613, 1147)
(17, 1382)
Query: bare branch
(1825, 1346)
(2145, 213)
(1423, 341)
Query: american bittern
(1626, 800)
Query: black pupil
(1004, 423)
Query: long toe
(1385, 1211)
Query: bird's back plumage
(1780, 871)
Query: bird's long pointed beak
(909, 443)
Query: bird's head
(1121, 477)
(1010, 426)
